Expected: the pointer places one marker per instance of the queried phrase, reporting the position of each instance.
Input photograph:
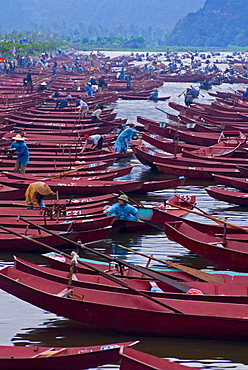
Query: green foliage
(36, 46)
(219, 24)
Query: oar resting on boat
(189, 270)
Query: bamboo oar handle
(212, 218)
(189, 270)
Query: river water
(24, 324)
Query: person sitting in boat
(154, 94)
(95, 117)
(55, 94)
(42, 87)
(123, 210)
(96, 141)
(61, 103)
(125, 138)
(35, 193)
(21, 147)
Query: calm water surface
(24, 324)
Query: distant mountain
(85, 16)
(219, 23)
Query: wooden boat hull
(77, 358)
(233, 256)
(68, 187)
(139, 314)
(133, 359)
(228, 196)
(222, 292)
(137, 97)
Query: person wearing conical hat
(123, 210)
(35, 193)
(19, 145)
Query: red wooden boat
(133, 359)
(194, 172)
(238, 183)
(215, 292)
(148, 156)
(229, 254)
(228, 196)
(77, 358)
(161, 185)
(87, 201)
(141, 97)
(81, 172)
(79, 224)
(168, 145)
(60, 262)
(159, 214)
(10, 243)
(226, 147)
(140, 315)
(67, 186)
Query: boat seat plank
(50, 352)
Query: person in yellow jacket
(35, 193)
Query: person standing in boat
(125, 138)
(128, 82)
(20, 146)
(188, 99)
(88, 89)
(101, 83)
(95, 140)
(29, 81)
(35, 193)
(123, 210)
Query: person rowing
(123, 210)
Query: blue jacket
(22, 151)
(125, 137)
(125, 212)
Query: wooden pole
(189, 270)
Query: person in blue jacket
(124, 138)
(123, 210)
(154, 94)
(21, 147)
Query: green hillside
(219, 23)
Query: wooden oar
(189, 270)
(218, 220)
(162, 110)
(182, 93)
(155, 275)
(100, 272)
(61, 174)
(140, 205)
